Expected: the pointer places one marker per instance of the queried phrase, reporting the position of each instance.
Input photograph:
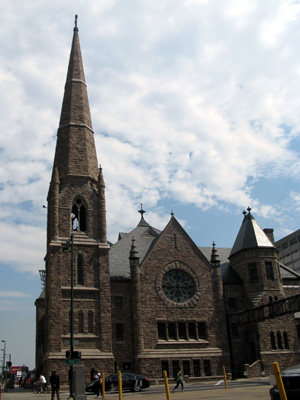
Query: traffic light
(76, 354)
(73, 354)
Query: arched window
(272, 338)
(78, 216)
(279, 340)
(80, 322)
(286, 340)
(79, 270)
(90, 322)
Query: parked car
(291, 382)
(130, 381)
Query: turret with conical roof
(250, 235)
(254, 258)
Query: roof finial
(76, 16)
(172, 214)
(249, 216)
(142, 222)
(142, 212)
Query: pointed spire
(75, 150)
(100, 178)
(134, 255)
(214, 259)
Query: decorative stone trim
(178, 265)
(79, 294)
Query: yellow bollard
(103, 386)
(279, 382)
(167, 385)
(120, 384)
(225, 378)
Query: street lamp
(72, 316)
(72, 297)
(72, 355)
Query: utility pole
(4, 350)
(72, 316)
(72, 357)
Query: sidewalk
(260, 392)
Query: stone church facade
(154, 300)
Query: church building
(154, 300)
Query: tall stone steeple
(75, 160)
(76, 219)
(75, 150)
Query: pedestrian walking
(54, 381)
(179, 380)
(98, 385)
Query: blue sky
(195, 107)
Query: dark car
(130, 381)
(291, 382)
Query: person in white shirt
(43, 382)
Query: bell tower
(76, 238)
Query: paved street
(245, 390)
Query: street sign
(72, 361)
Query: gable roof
(119, 264)
(146, 237)
(173, 221)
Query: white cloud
(279, 20)
(195, 106)
(13, 294)
(294, 200)
(191, 102)
(22, 246)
